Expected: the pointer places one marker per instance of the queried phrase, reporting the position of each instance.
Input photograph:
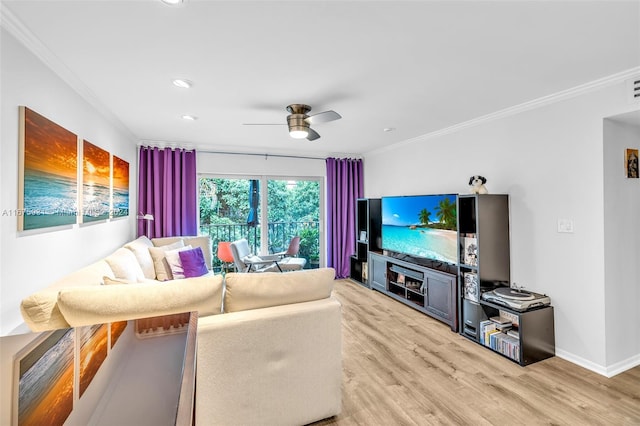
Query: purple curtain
(167, 189)
(344, 187)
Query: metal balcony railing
(280, 233)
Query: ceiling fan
(299, 121)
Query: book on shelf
(400, 279)
(513, 333)
(486, 327)
(470, 254)
(509, 316)
(471, 288)
(500, 320)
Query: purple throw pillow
(193, 262)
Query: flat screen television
(422, 226)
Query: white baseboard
(623, 365)
(606, 371)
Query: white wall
(549, 160)
(622, 251)
(31, 262)
(258, 165)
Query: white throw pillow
(163, 271)
(124, 265)
(174, 262)
(140, 248)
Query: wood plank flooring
(401, 367)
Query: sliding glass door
(293, 209)
(252, 207)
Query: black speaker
(472, 314)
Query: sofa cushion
(174, 262)
(202, 241)
(40, 310)
(117, 281)
(109, 303)
(253, 291)
(163, 271)
(124, 265)
(140, 248)
(193, 263)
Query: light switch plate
(565, 226)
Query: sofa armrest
(275, 365)
(108, 303)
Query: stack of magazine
(501, 335)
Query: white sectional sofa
(269, 345)
(87, 296)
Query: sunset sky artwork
(46, 381)
(120, 174)
(95, 160)
(48, 173)
(48, 147)
(96, 183)
(93, 351)
(120, 187)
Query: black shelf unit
(535, 340)
(483, 232)
(483, 239)
(367, 238)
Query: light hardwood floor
(401, 367)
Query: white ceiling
(416, 66)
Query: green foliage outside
(293, 210)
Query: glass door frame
(264, 223)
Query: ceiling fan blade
(264, 124)
(323, 117)
(313, 135)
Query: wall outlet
(565, 226)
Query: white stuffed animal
(476, 183)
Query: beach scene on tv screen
(422, 226)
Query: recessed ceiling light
(172, 2)
(389, 129)
(189, 117)
(183, 84)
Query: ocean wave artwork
(49, 200)
(95, 202)
(120, 202)
(49, 173)
(45, 386)
(96, 185)
(120, 187)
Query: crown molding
(15, 27)
(516, 109)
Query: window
(280, 208)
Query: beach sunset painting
(45, 381)
(48, 176)
(117, 328)
(120, 187)
(93, 351)
(96, 188)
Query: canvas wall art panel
(116, 330)
(120, 187)
(93, 351)
(96, 183)
(48, 180)
(44, 373)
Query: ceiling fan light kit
(298, 127)
(298, 121)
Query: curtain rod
(261, 155)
